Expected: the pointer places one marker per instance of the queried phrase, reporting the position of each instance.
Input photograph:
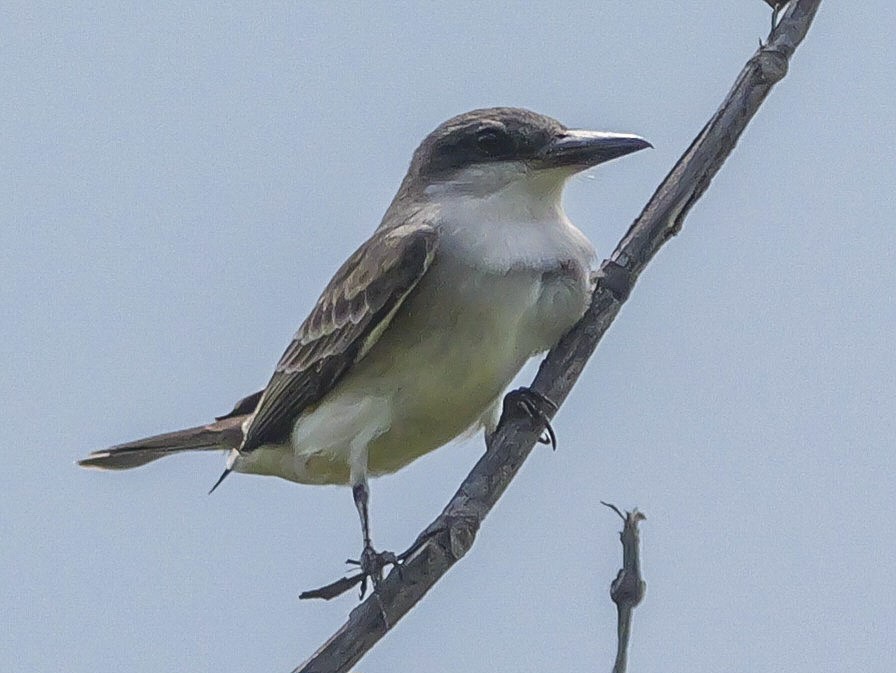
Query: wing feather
(353, 311)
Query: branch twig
(628, 588)
(451, 535)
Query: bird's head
(483, 152)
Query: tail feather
(226, 433)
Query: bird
(473, 270)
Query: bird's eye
(494, 142)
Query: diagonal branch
(451, 535)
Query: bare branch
(451, 535)
(628, 588)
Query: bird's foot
(372, 563)
(538, 407)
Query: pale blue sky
(177, 184)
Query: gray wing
(347, 320)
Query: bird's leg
(371, 562)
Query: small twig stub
(628, 588)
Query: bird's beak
(583, 149)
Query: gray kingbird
(474, 269)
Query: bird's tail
(225, 433)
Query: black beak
(583, 149)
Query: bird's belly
(444, 369)
(441, 389)
(439, 367)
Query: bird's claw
(538, 407)
(372, 563)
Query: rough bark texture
(452, 533)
